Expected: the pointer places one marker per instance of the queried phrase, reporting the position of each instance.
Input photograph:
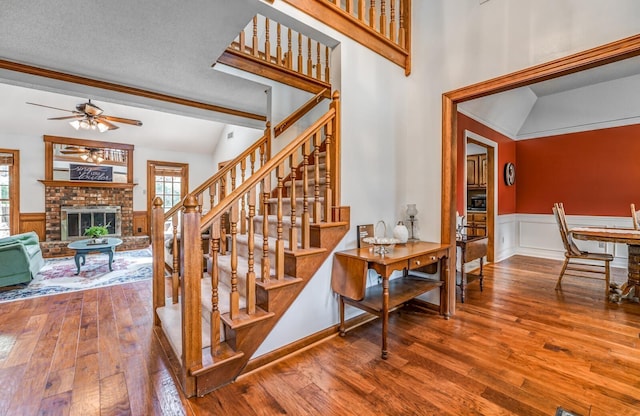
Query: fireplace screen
(77, 219)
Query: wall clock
(509, 174)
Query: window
(9, 193)
(169, 188)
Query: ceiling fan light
(75, 124)
(84, 157)
(84, 124)
(102, 127)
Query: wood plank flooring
(518, 348)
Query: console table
(349, 279)
(472, 248)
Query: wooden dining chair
(634, 216)
(574, 258)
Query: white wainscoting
(537, 235)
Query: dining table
(628, 236)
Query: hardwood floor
(518, 348)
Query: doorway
(602, 55)
(169, 181)
(480, 193)
(9, 192)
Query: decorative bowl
(382, 245)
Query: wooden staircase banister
(266, 169)
(225, 313)
(223, 172)
(299, 113)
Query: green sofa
(20, 258)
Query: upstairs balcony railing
(280, 46)
(383, 26)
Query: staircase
(272, 222)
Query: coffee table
(83, 247)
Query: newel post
(157, 246)
(336, 150)
(191, 251)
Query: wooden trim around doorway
(601, 55)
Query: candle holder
(412, 213)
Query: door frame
(591, 58)
(14, 191)
(492, 192)
(152, 165)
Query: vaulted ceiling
(601, 97)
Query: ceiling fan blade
(122, 120)
(74, 150)
(77, 117)
(104, 121)
(55, 108)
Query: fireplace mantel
(87, 184)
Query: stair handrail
(264, 170)
(299, 113)
(265, 139)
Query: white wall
(391, 131)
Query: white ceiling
(158, 45)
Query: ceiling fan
(89, 116)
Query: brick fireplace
(82, 196)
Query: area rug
(58, 275)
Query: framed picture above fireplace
(62, 154)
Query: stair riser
(286, 207)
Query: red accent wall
(506, 153)
(593, 173)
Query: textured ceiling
(161, 45)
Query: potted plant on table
(96, 232)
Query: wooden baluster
(328, 206)
(293, 231)
(335, 141)
(349, 6)
(267, 151)
(252, 162)
(223, 217)
(200, 199)
(327, 72)
(402, 31)
(361, 10)
(383, 18)
(392, 22)
(262, 162)
(190, 291)
(243, 211)
(214, 232)
(212, 197)
(289, 62)
(279, 45)
(300, 67)
(317, 213)
(175, 278)
(241, 41)
(254, 43)
(372, 14)
(279, 240)
(305, 236)
(234, 299)
(267, 42)
(157, 240)
(309, 60)
(266, 264)
(251, 275)
(318, 63)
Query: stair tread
(245, 319)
